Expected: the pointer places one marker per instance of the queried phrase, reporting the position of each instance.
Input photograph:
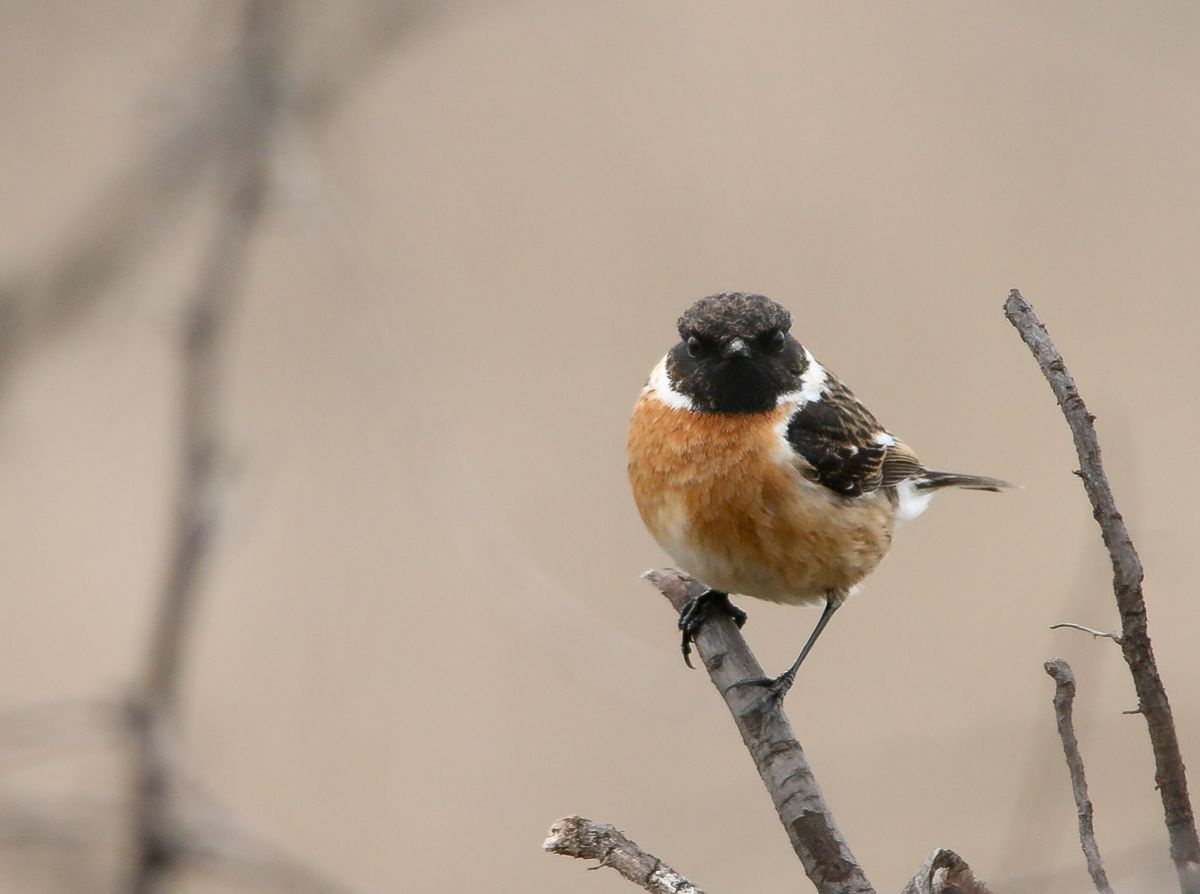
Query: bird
(762, 475)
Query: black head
(736, 355)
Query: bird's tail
(931, 480)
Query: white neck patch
(813, 384)
(660, 386)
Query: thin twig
(1115, 637)
(247, 127)
(1169, 776)
(1064, 700)
(778, 756)
(585, 839)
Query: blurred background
(419, 635)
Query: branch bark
(784, 769)
(778, 756)
(1064, 700)
(1170, 776)
(945, 872)
(585, 839)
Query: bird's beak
(736, 348)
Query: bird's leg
(699, 609)
(780, 685)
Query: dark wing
(844, 448)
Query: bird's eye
(773, 341)
(696, 346)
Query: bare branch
(585, 839)
(1115, 637)
(1170, 776)
(1064, 700)
(784, 769)
(945, 872)
(778, 756)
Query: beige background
(423, 637)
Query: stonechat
(761, 474)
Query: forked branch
(1169, 775)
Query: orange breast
(725, 497)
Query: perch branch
(585, 839)
(1064, 700)
(778, 756)
(1170, 776)
(784, 769)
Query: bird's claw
(699, 609)
(777, 687)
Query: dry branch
(945, 872)
(1170, 776)
(1068, 625)
(1064, 700)
(778, 756)
(781, 763)
(585, 839)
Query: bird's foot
(777, 687)
(699, 609)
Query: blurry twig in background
(217, 843)
(585, 839)
(226, 137)
(149, 200)
(1170, 777)
(244, 140)
(1064, 698)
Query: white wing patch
(910, 501)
